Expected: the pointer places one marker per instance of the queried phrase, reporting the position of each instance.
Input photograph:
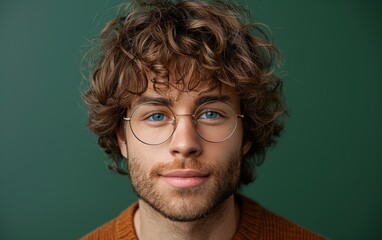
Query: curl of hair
(209, 42)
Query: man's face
(185, 178)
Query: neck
(221, 224)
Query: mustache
(179, 164)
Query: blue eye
(157, 117)
(210, 114)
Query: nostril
(193, 152)
(186, 152)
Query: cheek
(223, 154)
(235, 142)
(147, 155)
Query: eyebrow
(169, 103)
(162, 100)
(207, 98)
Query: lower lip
(185, 182)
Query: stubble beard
(191, 204)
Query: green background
(323, 174)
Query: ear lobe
(247, 145)
(122, 142)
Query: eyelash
(218, 115)
(153, 114)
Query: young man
(186, 93)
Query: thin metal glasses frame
(128, 119)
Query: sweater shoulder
(121, 227)
(260, 223)
(106, 231)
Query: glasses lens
(152, 123)
(215, 121)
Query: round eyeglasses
(153, 123)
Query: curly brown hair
(212, 42)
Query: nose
(185, 141)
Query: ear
(247, 145)
(121, 137)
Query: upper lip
(184, 174)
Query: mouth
(184, 178)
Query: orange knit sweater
(256, 223)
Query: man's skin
(201, 207)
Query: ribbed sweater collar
(249, 220)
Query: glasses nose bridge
(175, 122)
(193, 121)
